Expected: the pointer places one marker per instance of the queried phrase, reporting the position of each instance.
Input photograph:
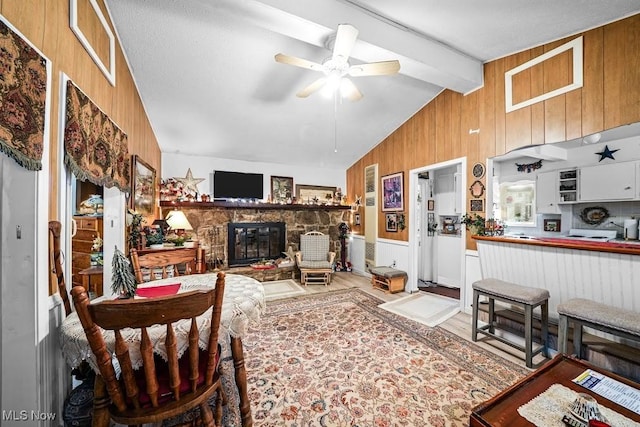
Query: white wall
(176, 165)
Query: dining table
(243, 304)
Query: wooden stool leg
(563, 328)
(474, 320)
(528, 334)
(544, 328)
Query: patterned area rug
(428, 309)
(337, 359)
(279, 289)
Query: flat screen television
(237, 185)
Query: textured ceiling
(207, 76)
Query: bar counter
(620, 247)
(607, 272)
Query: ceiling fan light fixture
(336, 67)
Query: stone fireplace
(211, 220)
(249, 242)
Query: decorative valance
(95, 149)
(23, 89)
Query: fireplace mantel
(248, 205)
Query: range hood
(549, 152)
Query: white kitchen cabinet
(614, 181)
(448, 197)
(547, 193)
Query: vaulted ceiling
(206, 72)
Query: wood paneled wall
(46, 25)
(610, 97)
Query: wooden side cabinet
(88, 228)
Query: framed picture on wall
(431, 205)
(552, 225)
(391, 222)
(281, 188)
(476, 205)
(392, 194)
(314, 194)
(143, 187)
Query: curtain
(96, 150)
(23, 88)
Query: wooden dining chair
(159, 389)
(55, 264)
(159, 264)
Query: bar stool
(528, 298)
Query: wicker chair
(314, 259)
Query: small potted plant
(474, 223)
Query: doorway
(436, 240)
(87, 236)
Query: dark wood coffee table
(502, 410)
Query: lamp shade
(177, 220)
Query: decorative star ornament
(189, 182)
(607, 153)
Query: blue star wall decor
(607, 153)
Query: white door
(18, 285)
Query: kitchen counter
(615, 246)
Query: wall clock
(478, 170)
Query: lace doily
(244, 302)
(547, 409)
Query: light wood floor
(460, 324)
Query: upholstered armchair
(314, 259)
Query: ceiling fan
(337, 67)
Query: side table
(502, 409)
(86, 274)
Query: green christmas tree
(123, 281)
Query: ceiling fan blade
(349, 90)
(303, 93)
(345, 39)
(383, 68)
(298, 62)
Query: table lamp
(178, 222)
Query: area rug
(279, 289)
(337, 359)
(428, 309)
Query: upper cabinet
(448, 193)
(615, 181)
(546, 193)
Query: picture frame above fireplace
(281, 189)
(314, 194)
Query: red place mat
(158, 291)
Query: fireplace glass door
(251, 242)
